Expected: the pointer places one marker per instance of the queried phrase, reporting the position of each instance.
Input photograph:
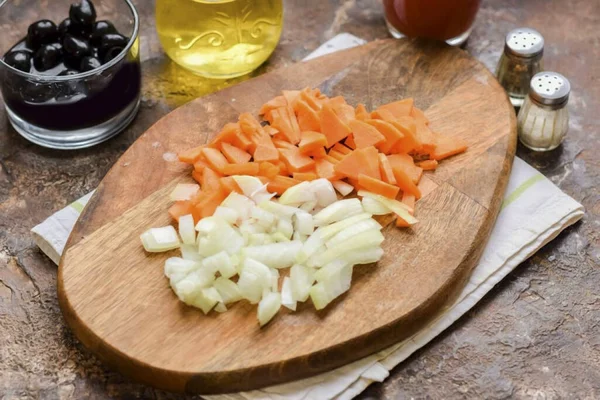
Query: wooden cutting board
(117, 301)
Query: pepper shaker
(520, 61)
(543, 120)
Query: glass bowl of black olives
(69, 72)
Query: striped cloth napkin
(534, 212)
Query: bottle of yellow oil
(219, 38)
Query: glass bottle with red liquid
(449, 20)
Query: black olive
(20, 60)
(111, 45)
(83, 13)
(48, 56)
(41, 32)
(111, 53)
(68, 72)
(80, 31)
(101, 28)
(89, 63)
(76, 47)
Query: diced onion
(190, 252)
(281, 210)
(363, 240)
(363, 256)
(207, 299)
(263, 218)
(184, 191)
(399, 208)
(303, 223)
(186, 229)
(329, 231)
(359, 227)
(274, 255)
(298, 194)
(226, 214)
(248, 184)
(312, 244)
(279, 237)
(324, 192)
(177, 268)
(220, 308)
(268, 307)
(229, 291)
(287, 297)
(156, 240)
(285, 227)
(242, 204)
(254, 278)
(338, 211)
(309, 206)
(374, 207)
(343, 188)
(301, 278)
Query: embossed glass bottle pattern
(219, 38)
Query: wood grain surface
(117, 301)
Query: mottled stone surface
(536, 335)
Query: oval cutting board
(117, 301)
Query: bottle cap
(524, 42)
(549, 88)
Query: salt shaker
(543, 119)
(521, 60)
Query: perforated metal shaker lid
(524, 42)
(549, 88)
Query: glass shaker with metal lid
(521, 60)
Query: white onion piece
(328, 232)
(248, 184)
(274, 255)
(285, 227)
(342, 187)
(299, 236)
(220, 308)
(363, 256)
(190, 252)
(274, 280)
(229, 291)
(330, 271)
(186, 229)
(261, 195)
(279, 237)
(301, 278)
(359, 227)
(368, 239)
(309, 206)
(338, 211)
(263, 217)
(177, 268)
(281, 210)
(190, 286)
(287, 297)
(268, 307)
(324, 192)
(221, 237)
(251, 227)
(220, 262)
(298, 194)
(256, 239)
(397, 207)
(208, 224)
(242, 204)
(303, 223)
(374, 207)
(184, 191)
(314, 260)
(312, 244)
(227, 214)
(254, 278)
(207, 299)
(156, 240)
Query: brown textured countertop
(536, 335)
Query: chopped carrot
(336, 154)
(233, 154)
(360, 161)
(285, 121)
(385, 168)
(409, 200)
(383, 114)
(378, 186)
(281, 183)
(272, 104)
(304, 176)
(331, 159)
(337, 100)
(310, 140)
(404, 182)
(401, 223)
(267, 169)
(426, 137)
(249, 168)
(208, 203)
(365, 135)
(344, 111)
(407, 164)
(266, 152)
(409, 142)
(318, 153)
(350, 142)
(197, 175)
(428, 165)
(295, 161)
(447, 146)
(262, 147)
(283, 169)
(399, 108)
(390, 132)
(308, 119)
(361, 112)
(190, 156)
(419, 116)
(325, 169)
(210, 179)
(215, 159)
(229, 185)
(332, 126)
(341, 148)
(313, 101)
(282, 144)
(242, 142)
(180, 208)
(270, 130)
(228, 134)
(290, 96)
(200, 164)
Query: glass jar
(543, 120)
(78, 109)
(451, 21)
(219, 38)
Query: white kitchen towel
(534, 212)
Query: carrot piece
(341, 148)
(325, 169)
(399, 108)
(390, 132)
(270, 130)
(228, 134)
(280, 184)
(419, 116)
(318, 153)
(180, 208)
(304, 176)
(407, 164)
(283, 169)
(331, 159)
(268, 170)
(385, 168)
(262, 147)
(410, 201)
(447, 146)
(336, 154)
(197, 175)
(210, 180)
(199, 165)
(308, 119)
(242, 142)
(382, 114)
(361, 112)
(401, 223)
(336, 101)
(310, 140)
(291, 96)
(409, 142)
(344, 111)
(360, 161)
(272, 104)
(332, 126)
(282, 144)
(295, 161)
(233, 154)
(350, 142)
(229, 185)
(249, 168)
(428, 165)
(311, 99)
(214, 158)
(365, 135)
(426, 137)
(377, 186)
(405, 183)
(191, 155)
(285, 121)
(208, 202)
